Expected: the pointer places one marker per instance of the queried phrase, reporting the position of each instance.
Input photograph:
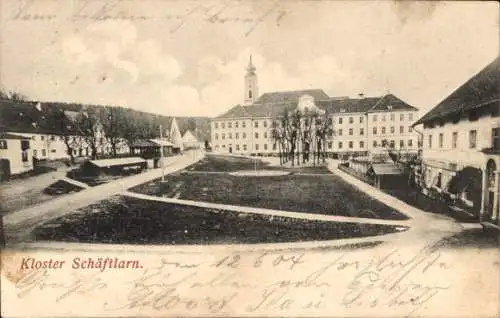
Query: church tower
(251, 85)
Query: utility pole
(161, 155)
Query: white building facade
(462, 133)
(360, 124)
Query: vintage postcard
(187, 158)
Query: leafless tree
(323, 130)
(87, 122)
(115, 125)
(278, 135)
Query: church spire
(251, 68)
(251, 86)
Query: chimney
(361, 95)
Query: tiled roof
(143, 143)
(483, 89)
(11, 136)
(386, 169)
(332, 106)
(106, 163)
(390, 102)
(25, 117)
(291, 96)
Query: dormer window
(389, 107)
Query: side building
(461, 151)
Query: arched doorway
(491, 169)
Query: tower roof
(251, 68)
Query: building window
(410, 129)
(401, 117)
(441, 140)
(472, 138)
(383, 130)
(229, 124)
(361, 144)
(223, 136)
(256, 124)
(53, 150)
(24, 156)
(392, 144)
(360, 119)
(243, 124)
(34, 137)
(274, 146)
(351, 120)
(410, 143)
(410, 116)
(340, 144)
(401, 129)
(340, 120)
(392, 129)
(229, 136)
(256, 146)
(256, 135)
(216, 125)
(244, 135)
(34, 153)
(52, 138)
(265, 123)
(374, 130)
(245, 147)
(430, 141)
(42, 138)
(392, 117)
(223, 125)
(265, 146)
(44, 152)
(236, 126)
(340, 132)
(374, 144)
(330, 145)
(401, 143)
(350, 144)
(3, 144)
(351, 131)
(265, 134)
(495, 136)
(439, 180)
(216, 136)
(237, 147)
(236, 136)
(454, 139)
(361, 131)
(249, 94)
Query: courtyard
(301, 189)
(228, 200)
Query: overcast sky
(189, 57)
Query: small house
(113, 167)
(15, 155)
(387, 175)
